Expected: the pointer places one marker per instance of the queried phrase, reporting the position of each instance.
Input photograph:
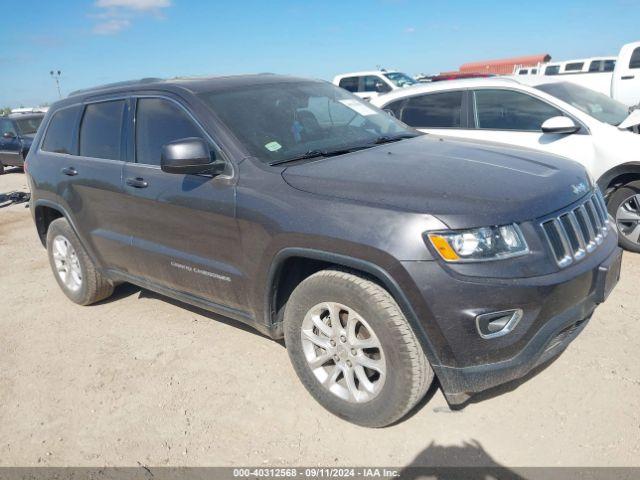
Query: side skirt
(235, 314)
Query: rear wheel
(74, 271)
(1, 169)
(624, 206)
(353, 349)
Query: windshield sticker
(273, 146)
(358, 107)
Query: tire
(1, 169)
(407, 374)
(74, 271)
(623, 205)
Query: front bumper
(556, 308)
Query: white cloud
(111, 27)
(410, 29)
(117, 15)
(140, 5)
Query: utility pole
(55, 74)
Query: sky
(93, 42)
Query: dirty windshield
(286, 121)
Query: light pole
(55, 74)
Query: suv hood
(463, 183)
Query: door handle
(628, 77)
(137, 182)
(70, 171)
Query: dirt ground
(143, 380)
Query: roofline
(109, 86)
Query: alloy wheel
(628, 219)
(343, 352)
(67, 264)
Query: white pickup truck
(621, 83)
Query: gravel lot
(143, 380)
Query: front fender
(392, 276)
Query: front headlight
(479, 244)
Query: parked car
(367, 85)
(560, 118)
(16, 134)
(384, 257)
(617, 77)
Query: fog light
(497, 324)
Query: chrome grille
(577, 232)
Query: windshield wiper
(318, 154)
(387, 139)
(341, 151)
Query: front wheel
(353, 349)
(624, 206)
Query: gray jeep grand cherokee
(384, 258)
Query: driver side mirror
(9, 135)
(559, 124)
(189, 156)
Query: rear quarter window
(350, 84)
(395, 108)
(62, 131)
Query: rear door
(183, 226)
(626, 75)
(92, 181)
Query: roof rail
(126, 83)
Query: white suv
(560, 117)
(368, 85)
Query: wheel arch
(44, 213)
(314, 260)
(619, 175)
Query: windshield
(28, 126)
(596, 104)
(400, 79)
(287, 120)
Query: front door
(9, 143)
(515, 118)
(183, 227)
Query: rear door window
(62, 131)
(596, 66)
(635, 59)
(101, 130)
(574, 67)
(552, 70)
(510, 110)
(350, 84)
(159, 122)
(434, 110)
